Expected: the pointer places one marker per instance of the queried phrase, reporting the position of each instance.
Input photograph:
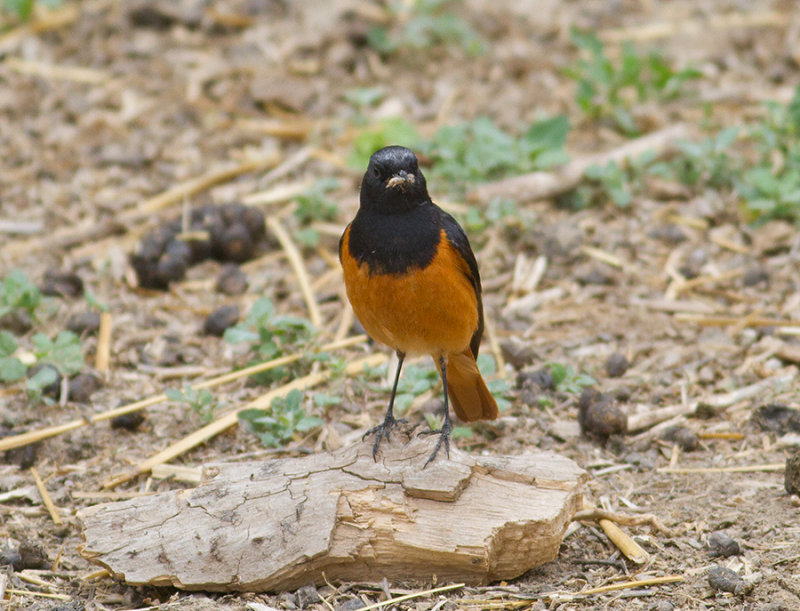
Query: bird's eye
(376, 172)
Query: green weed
(270, 336)
(609, 90)
(64, 352)
(200, 401)
(11, 368)
(314, 205)
(479, 151)
(281, 421)
(423, 25)
(18, 292)
(567, 380)
(387, 131)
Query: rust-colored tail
(468, 393)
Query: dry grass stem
(103, 355)
(48, 502)
(299, 267)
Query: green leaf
(11, 369)
(173, 394)
(8, 344)
(41, 379)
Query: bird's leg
(382, 430)
(444, 431)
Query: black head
(393, 182)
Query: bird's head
(393, 181)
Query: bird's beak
(401, 179)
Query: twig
(734, 436)
(594, 514)
(192, 186)
(399, 599)
(76, 74)
(653, 581)
(666, 29)
(724, 321)
(637, 422)
(740, 469)
(20, 227)
(546, 185)
(103, 343)
(48, 502)
(50, 21)
(40, 594)
(226, 421)
(277, 194)
(296, 260)
(496, 350)
(23, 439)
(632, 550)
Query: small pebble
(220, 319)
(236, 244)
(755, 275)
(307, 596)
(232, 280)
(778, 418)
(722, 544)
(25, 556)
(681, 435)
(82, 386)
(616, 365)
(595, 275)
(660, 605)
(725, 580)
(84, 322)
(517, 352)
(129, 422)
(670, 233)
(791, 476)
(171, 269)
(59, 283)
(541, 377)
(256, 223)
(17, 321)
(351, 605)
(24, 457)
(598, 414)
(180, 250)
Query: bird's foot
(444, 439)
(382, 431)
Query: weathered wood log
(278, 525)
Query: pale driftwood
(282, 524)
(546, 185)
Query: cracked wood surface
(278, 525)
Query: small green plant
(707, 163)
(271, 336)
(424, 24)
(771, 187)
(567, 380)
(415, 381)
(281, 421)
(314, 205)
(478, 151)
(606, 89)
(64, 352)
(201, 401)
(393, 130)
(18, 292)
(11, 368)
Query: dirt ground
(171, 91)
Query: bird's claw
(444, 438)
(382, 431)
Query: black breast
(394, 243)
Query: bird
(413, 281)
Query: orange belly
(422, 311)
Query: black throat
(394, 243)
